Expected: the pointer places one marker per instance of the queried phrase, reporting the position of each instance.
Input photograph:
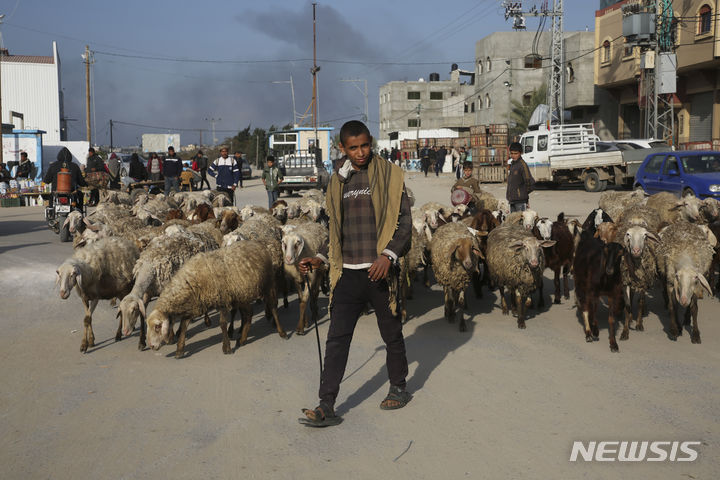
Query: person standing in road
(440, 160)
(24, 168)
(154, 167)
(113, 165)
(137, 172)
(201, 165)
(272, 177)
(239, 160)
(370, 227)
(95, 175)
(520, 182)
(171, 169)
(226, 173)
(425, 160)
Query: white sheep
(516, 261)
(684, 258)
(225, 279)
(456, 255)
(297, 243)
(101, 271)
(158, 262)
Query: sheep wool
(508, 269)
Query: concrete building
(509, 66)
(32, 96)
(427, 109)
(697, 41)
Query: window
(670, 164)
(533, 61)
(570, 71)
(413, 122)
(488, 104)
(542, 143)
(466, 108)
(605, 51)
(488, 63)
(527, 98)
(627, 49)
(681, 124)
(413, 95)
(436, 95)
(479, 103)
(480, 67)
(705, 23)
(472, 107)
(527, 144)
(653, 165)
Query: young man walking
(370, 227)
(272, 177)
(226, 173)
(520, 182)
(201, 162)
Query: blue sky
(241, 43)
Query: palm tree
(521, 113)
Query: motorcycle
(56, 215)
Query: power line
(258, 61)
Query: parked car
(245, 169)
(639, 143)
(682, 172)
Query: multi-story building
(32, 94)
(509, 66)
(618, 70)
(433, 108)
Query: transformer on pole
(647, 24)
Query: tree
(521, 112)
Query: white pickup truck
(573, 153)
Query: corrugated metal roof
(27, 59)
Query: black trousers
(353, 291)
(203, 179)
(229, 192)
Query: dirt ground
(492, 402)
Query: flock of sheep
(195, 254)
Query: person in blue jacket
(226, 173)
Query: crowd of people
(432, 159)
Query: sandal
(396, 398)
(322, 416)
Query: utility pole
(87, 57)
(649, 27)
(417, 130)
(314, 70)
(213, 121)
(556, 84)
(111, 135)
(354, 81)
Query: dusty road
(493, 402)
